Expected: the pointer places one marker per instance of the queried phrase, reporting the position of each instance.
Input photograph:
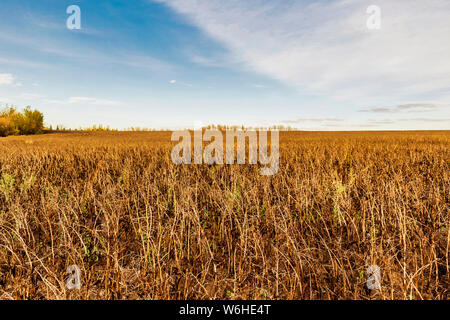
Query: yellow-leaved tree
(27, 122)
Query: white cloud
(326, 48)
(9, 80)
(206, 61)
(301, 120)
(257, 85)
(4, 100)
(87, 54)
(23, 63)
(31, 96)
(86, 100)
(95, 101)
(180, 83)
(6, 79)
(141, 62)
(408, 107)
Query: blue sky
(313, 65)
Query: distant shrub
(27, 122)
(99, 128)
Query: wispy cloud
(302, 120)
(95, 101)
(52, 23)
(88, 54)
(257, 85)
(210, 57)
(23, 63)
(380, 122)
(411, 107)
(31, 96)
(417, 106)
(325, 47)
(6, 79)
(445, 120)
(86, 100)
(9, 79)
(377, 110)
(206, 61)
(140, 61)
(176, 82)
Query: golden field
(141, 227)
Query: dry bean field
(140, 227)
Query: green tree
(28, 122)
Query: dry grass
(140, 227)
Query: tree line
(13, 122)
